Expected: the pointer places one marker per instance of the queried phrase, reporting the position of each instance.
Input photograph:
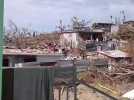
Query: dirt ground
(126, 87)
(83, 93)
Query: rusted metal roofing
(114, 54)
(27, 52)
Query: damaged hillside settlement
(102, 53)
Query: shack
(115, 56)
(11, 57)
(92, 35)
(105, 26)
(81, 38)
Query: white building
(114, 29)
(81, 38)
(69, 39)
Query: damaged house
(104, 26)
(92, 39)
(106, 60)
(13, 57)
(115, 56)
(81, 38)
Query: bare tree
(16, 36)
(78, 24)
(61, 27)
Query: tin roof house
(105, 26)
(81, 38)
(115, 56)
(12, 57)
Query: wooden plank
(89, 86)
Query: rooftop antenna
(61, 26)
(124, 16)
(120, 17)
(111, 17)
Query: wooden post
(59, 93)
(51, 83)
(1, 44)
(74, 80)
(67, 93)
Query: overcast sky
(44, 15)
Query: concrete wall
(114, 28)
(49, 58)
(69, 39)
(13, 60)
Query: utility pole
(124, 16)
(111, 18)
(1, 43)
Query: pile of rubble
(44, 43)
(121, 76)
(40, 41)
